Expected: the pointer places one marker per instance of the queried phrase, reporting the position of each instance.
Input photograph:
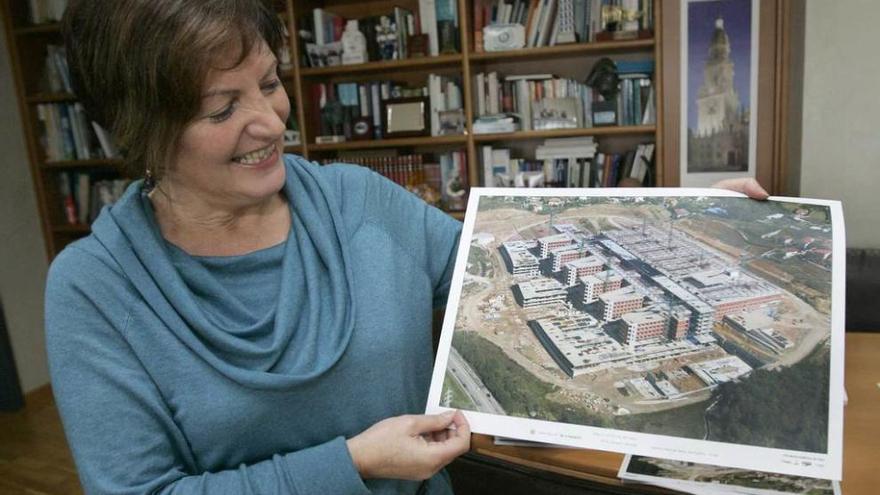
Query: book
(447, 25)
(498, 165)
(436, 102)
(106, 141)
(82, 198)
(400, 20)
(492, 105)
(487, 124)
(67, 202)
(530, 19)
(547, 23)
(480, 88)
(479, 22)
(537, 20)
(428, 20)
(486, 157)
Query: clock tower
(717, 102)
(719, 142)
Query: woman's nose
(268, 119)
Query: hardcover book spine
(428, 17)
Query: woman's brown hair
(138, 66)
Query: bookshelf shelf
(599, 47)
(109, 163)
(390, 143)
(53, 27)
(382, 66)
(50, 98)
(72, 229)
(558, 133)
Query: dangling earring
(149, 182)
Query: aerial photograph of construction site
(697, 317)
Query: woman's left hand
(747, 186)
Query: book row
(56, 72)
(386, 109)
(83, 195)
(66, 133)
(543, 101)
(330, 39)
(405, 170)
(439, 179)
(568, 162)
(534, 23)
(540, 101)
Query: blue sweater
(245, 374)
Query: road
(472, 385)
(706, 418)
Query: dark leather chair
(863, 290)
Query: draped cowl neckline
(310, 327)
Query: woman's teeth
(255, 157)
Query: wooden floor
(34, 457)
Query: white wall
(840, 156)
(23, 262)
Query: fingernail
(449, 414)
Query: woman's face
(231, 153)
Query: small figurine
(386, 37)
(354, 44)
(332, 116)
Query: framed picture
(452, 122)
(555, 113)
(719, 87)
(604, 113)
(405, 117)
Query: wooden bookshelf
(390, 143)
(51, 98)
(560, 133)
(53, 27)
(465, 65)
(76, 228)
(27, 46)
(598, 47)
(383, 66)
(296, 149)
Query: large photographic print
(719, 81)
(689, 324)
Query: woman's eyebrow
(230, 92)
(220, 92)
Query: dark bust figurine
(603, 78)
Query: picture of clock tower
(719, 141)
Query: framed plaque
(605, 113)
(405, 117)
(362, 129)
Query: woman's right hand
(411, 447)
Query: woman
(249, 324)
(240, 321)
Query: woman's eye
(223, 115)
(272, 86)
